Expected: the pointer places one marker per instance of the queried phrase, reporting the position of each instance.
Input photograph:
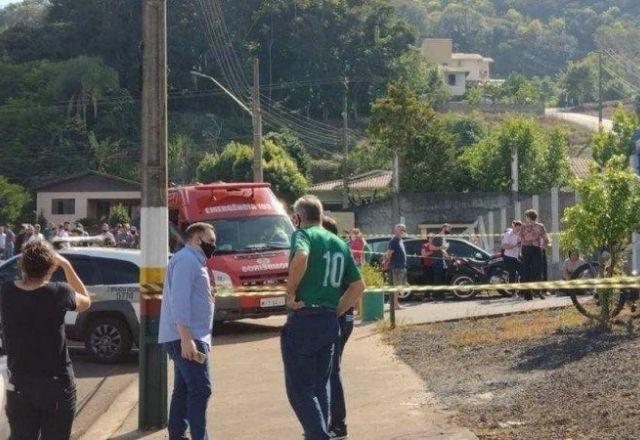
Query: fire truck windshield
(250, 234)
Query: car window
(10, 272)
(413, 247)
(461, 249)
(84, 268)
(116, 272)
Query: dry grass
(529, 326)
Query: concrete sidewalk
(386, 399)
(447, 310)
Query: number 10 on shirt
(334, 269)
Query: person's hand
(293, 304)
(189, 349)
(60, 261)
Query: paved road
(97, 385)
(588, 121)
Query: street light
(256, 117)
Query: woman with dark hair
(41, 393)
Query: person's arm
(352, 279)
(545, 237)
(350, 297)
(182, 274)
(297, 269)
(82, 298)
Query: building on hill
(460, 69)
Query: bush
(372, 276)
(118, 214)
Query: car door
(121, 281)
(415, 274)
(88, 274)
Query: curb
(115, 416)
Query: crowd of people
(68, 233)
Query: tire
(108, 340)
(463, 280)
(405, 295)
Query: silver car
(4, 424)
(111, 326)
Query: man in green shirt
(320, 266)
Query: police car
(111, 326)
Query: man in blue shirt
(397, 259)
(186, 321)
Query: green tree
(404, 124)
(542, 158)
(294, 147)
(235, 162)
(467, 129)
(13, 200)
(118, 215)
(618, 142)
(603, 220)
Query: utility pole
(256, 118)
(345, 146)
(154, 217)
(515, 183)
(396, 186)
(600, 88)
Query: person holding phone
(186, 322)
(41, 394)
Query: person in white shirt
(36, 235)
(511, 250)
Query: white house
(87, 195)
(460, 69)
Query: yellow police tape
(626, 282)
(474, 235)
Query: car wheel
(463, 280)
(405, 295)
(108, 340)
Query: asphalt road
(588, 121)
(97, 387)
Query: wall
(438, 50)
(44, 202)
(461, 84)
(420, 208)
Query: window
(63, 206)
(464, 250)
(84, 268)
(451, 80)
(115, 272)
(246, 234)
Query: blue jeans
(338, 406)
(308, 343)
(191, 392)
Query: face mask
(208, 249)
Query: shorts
(399, 277)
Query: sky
(6, 2)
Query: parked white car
(4, 424)
(111, 326)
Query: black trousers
(41, 409)
(512, 265)
(531, 267)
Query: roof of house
(90, 181)
(378, 179)
(470, 56)
(580, 166)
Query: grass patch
(522, 327)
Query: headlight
(222, 280)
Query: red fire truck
(252, 242)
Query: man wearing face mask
(186, 321)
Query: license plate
(271, 302)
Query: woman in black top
(41, 392)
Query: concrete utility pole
(256, 119)
(345, 146)
(396, 186)
(154, 219)
(600, 88)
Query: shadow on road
(577, 344)
(238, 332)
(85, 367)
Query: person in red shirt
(357, 244)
